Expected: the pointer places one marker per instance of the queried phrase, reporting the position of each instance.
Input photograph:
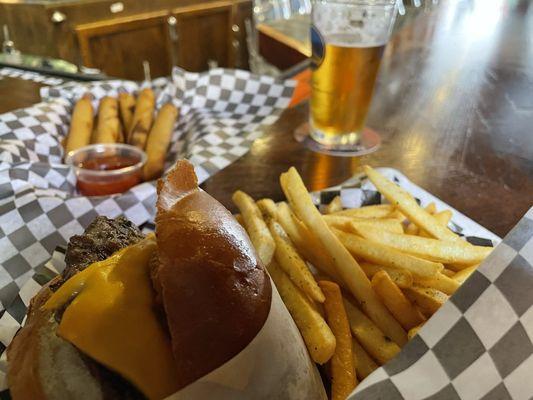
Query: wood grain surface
(17, 93)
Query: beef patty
(102, 238)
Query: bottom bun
(43, 366)
(24, 375)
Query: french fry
(349, 223)
(420, 310)
(411, 229)
(255, 226)
(431, 208)
(81, 125)
(158, 141)
(343, 375)
(387, 256)
(463, 275)
(428, 299)
(448, 272)
(306, 243)
(395, 301)
(412, 332)
(142, 118)
(440, 282)
(126, 102)
(455, 267)
(294, 266)
(400, 277)
(374, 211)
(108, 129)
(443, 218)
(364, 365)
(317, 335)
(409, 207)
(374, 341)
(334, 206)
(429, 249)
(285, 219)
(239, 219)
(388, 224)
(345, 265)
(268, 208)
(397, 214)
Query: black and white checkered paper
(221, 113)
(477, 346)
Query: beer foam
(351, 25)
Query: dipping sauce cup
(107, 168)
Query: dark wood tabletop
(453, 104)
(17, 93)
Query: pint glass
(348, 38)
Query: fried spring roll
(81, 125)
(158, 141)
(142, 118)
(108, 129)
(126, 103)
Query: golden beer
(342, 87)
(348, 38)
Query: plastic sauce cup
(106, 168)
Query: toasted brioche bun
(215, 292)
(43, 366)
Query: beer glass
(348, 38)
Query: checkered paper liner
(221, 113)
(477, 346)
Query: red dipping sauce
(109, 163)
(104, 169)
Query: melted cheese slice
(112, 319)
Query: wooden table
(453, 104)
(17, 93)
(284, 43)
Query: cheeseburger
(186, 313)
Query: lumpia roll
(158, 141)
(142, 118)
(108, 129)
(81, 125)
(126, 103)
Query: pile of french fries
(125, 119)
(359, 283)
